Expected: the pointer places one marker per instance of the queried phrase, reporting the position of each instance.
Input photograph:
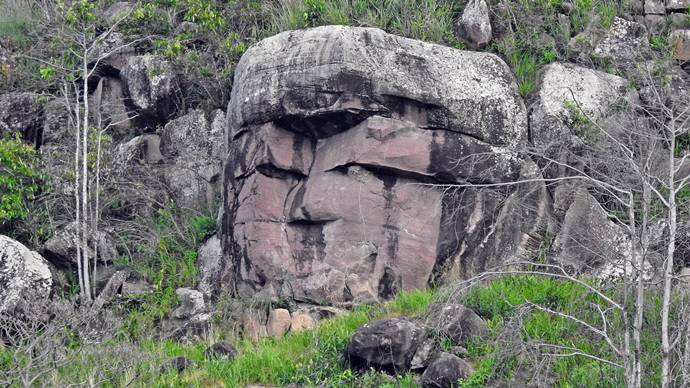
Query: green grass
(16, 21)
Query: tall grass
(16, 18)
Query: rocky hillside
(177, 173)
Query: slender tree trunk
(668, 270)
(84, 180)
(77, 200)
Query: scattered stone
(680, 39)
(221, 350)
(301, 321)
(22, 113)
(278, 322)
(677, 6)
(655, 7)
(24, 274)
(474, 24)
(386, 344)
(445, 371)
(178, 364)
(144, 149)
(459, 323)
(191, 303)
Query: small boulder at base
(191, 303)
(458, 322)
(445, 371)
(301, 321)
(24, 274)
(386, 344)
(222, 350)
(278, 322)
(178, 364)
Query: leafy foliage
(20, 178)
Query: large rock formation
(24, 274)
(341, 140)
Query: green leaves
(20, 179)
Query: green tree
(20, 179)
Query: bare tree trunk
(84, 180)
(668, 270)
(77, 200)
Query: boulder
(460, 324)
(654, 7)
(191, 303)
(279, 321)
(108, 105)
(680, 40)
(301, 321)
(194, 147)
(678, 6)
(61, 248)
(22, 113)
(624, 44)
(565, 92)
(587, 238)
(143, 149)
(221, 350)
(445, 371)
(326, 180)
(474, 25)
(177, 364)
(425, 353)
(55, 122)
(252, 328)
(24, 274)
(210, 267)
(150, 84)
(387, 344)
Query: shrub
(20, 178)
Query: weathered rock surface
(566, 88)
(22, 113)
(144, 149)
(326, 195)
(625, 43)
(678, 5)
(210, 267)
(24, 274)
(61, 248)
(150, 83)
(278, 322)
(221, 350)
(445, 371)
(191, 303)
(194, 147)
(458, 323)
(587, 238)
(386, 344)
(680, 40)
(474, 24)
(301, 321)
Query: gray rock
(564, 88)
(279, 321)
(387, 344)
(195, 149)
(624, 44)
(680, 40)
(678, 6)
(108, 106)
(22, 113)
(474, 24)
(150, 83)
(654, 7)
(144, 149)
(458, 323)
(587, 238)
(425, 353)
(191, 303)
(55, 122)
(680, 20)
(24, 274)
(210, 266)
(221, 350)
(61, 248)
(445, 372)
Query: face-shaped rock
(342, 141)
